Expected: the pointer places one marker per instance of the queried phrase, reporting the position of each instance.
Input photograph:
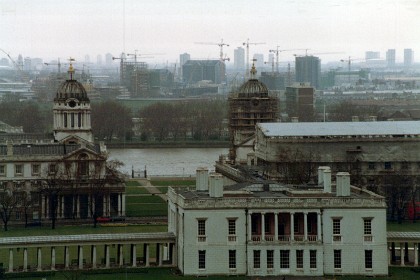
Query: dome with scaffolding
(252, 87)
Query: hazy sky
(63, 28)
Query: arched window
(83, 165)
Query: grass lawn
(163, 189)
(165, 183)
(132, 183)
(136, 190)
(145, 210)
(144, 199)
(404, 226)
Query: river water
(167, 161)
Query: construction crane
(349, 60)
(277, 52)
(247, 43)
(22, 75)
(221, 45)
(58, 65)
(272, 65)
(222, 56)
(135, 54)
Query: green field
(404, 226)
(165, 183)
(136, 190)
(132, 183)
(146, 210)
(144, 199)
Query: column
(107, 256)
(80, 256)
(174, 256)
(416, 254)
(39, 259)
(249, 226)
(292, 226)
(53, 258)
(47, 208)
(10, 260)
(78, 206)
(43, 212)
(305, 226)
(104, 206)
(161, 254)
(402, 255)
(66, 257)
(262, 226)
(89, 213)
(119, 205)
(389, 253)
(123, 204)
(120, 255)
(93, 255)
(62, 206)
(146, 255)
(133, 255)
(318, 226)
(108, 209)
(276, 226)
(25, 259)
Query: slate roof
(394, 128)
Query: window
(19, 169)
(405, 165)
(201, 230)
(312, 259)
(72, 119)
(52, 168)
(36, 168)
(336, 226)
(2, 170)
(267, 227)
(388, 165)
(299, 258)
(284, 259)
(371, 166)
(270, 258)
(17, 215)
(202, 259)
(368, 259)
(232, 259)
(337, 259)
(367, 226)
(65, 120)
(232, 226)
(257, 258)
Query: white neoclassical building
(261, 229)
(68, 176)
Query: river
(167, 161)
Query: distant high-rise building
(308, 70)
(390, 58)
(99, 59)
(87, 58)
(108, 59)
(198, 70)
(372, 55)
(27, 64)
(182, 59)
(408, 57)
(20, 61)
(239, 58)
(260, 60)
(300, 102)
(4, 62)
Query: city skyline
(52, 29)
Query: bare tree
(8, 201)
(52, 184)
(297, 167)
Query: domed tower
(72, 112)
(250, 105)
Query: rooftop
(386, 128)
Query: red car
(103, 219)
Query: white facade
(269, 229)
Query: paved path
(145, 183)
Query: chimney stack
(216, 185)
(327, 180)
(202, 179)
(343, 184)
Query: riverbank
(154, 145)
